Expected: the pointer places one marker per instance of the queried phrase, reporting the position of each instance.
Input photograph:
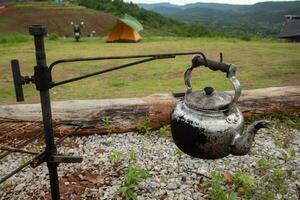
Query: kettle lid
(208, 99)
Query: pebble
(172, 186)
(19, 187)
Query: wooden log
(124, 115)
(270, 100)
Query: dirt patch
(72, 186)
(5, 6)
(175, 74)
(17, 19)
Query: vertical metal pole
(39, 32)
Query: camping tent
(291, 28)
(125, 30)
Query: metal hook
(221, 57)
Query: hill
(17, 17)
(153, 6)
(219, 6)
(263, 19)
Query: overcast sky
(181, 2)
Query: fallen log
(125, 115)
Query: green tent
(132, 22)
(126, 30)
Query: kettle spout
(241, 144)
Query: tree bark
(125, 115)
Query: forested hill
(263, 19)
(149, 19)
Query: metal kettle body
(206, 135)
(207, 124)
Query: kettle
(207, 124)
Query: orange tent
(126, 30)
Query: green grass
(260, 64)
(14, 38)
(3, 22)
(47, 5)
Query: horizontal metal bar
(178, 94)
(65, 159)
(150, 58)
(170, 55)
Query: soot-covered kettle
(207, 123)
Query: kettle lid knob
(209, 90)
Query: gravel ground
(172, 175)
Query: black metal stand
(41, 69)
(42, 80)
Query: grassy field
(260, 64)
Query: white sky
(181, 2)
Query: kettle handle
(210, 64)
